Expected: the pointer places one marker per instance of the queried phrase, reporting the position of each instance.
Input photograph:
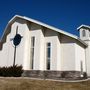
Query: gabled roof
(44, 25)
(83, 26)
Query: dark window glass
(83, 33)
(32, 41)
(48, 64)
(32, 51)
(81, 67)
(48, 55)
(49, 52)
(48, 44)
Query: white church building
(45, 51)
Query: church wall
(53, 37)
(86, 39)
(43, 36)
(67, 53)
(37, 32)
(88, 58)
(72, 54)
(21, 49)
(5, 53)
(86, 32)
(80, 58)
(68, 57)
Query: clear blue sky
(64, 14)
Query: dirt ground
(33, 84)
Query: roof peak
(83, 26)
(47, 26)
(43, 24)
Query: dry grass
(32, 84)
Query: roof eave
(82, 42)
(45, 25)
(83, 26)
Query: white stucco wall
(37, 32)
(67, 53)
(87, 34)
(21, 49)
(53, 38)
(80, 57)
(88, 57)
(7, 53)
(72, 54)
(68, 56)
(86, 39)
(42, 36)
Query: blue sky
(63, 14)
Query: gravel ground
(22, 83)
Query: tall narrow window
(89, 33)
(48, 55)
(32, 51)
(83, 33)
(81, 67)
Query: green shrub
(12, 71)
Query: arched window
(83, 33)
